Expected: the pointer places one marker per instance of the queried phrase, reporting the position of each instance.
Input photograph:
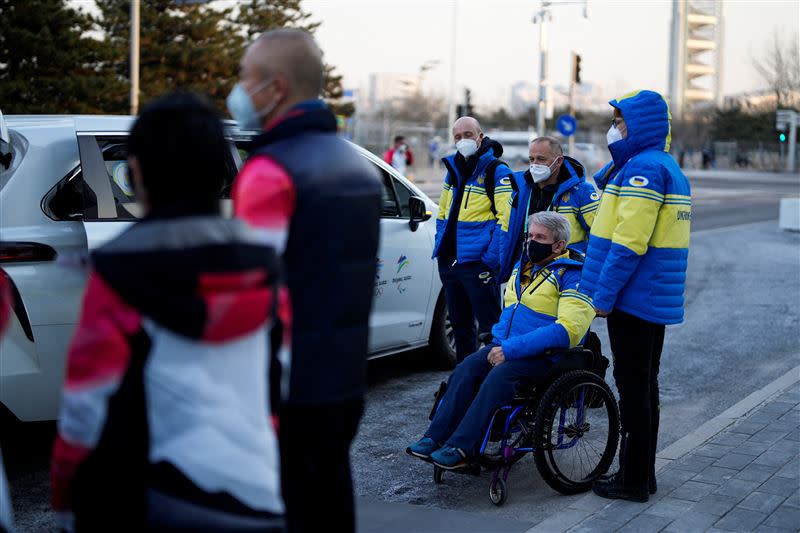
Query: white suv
(64, 190)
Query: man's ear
(561, 246)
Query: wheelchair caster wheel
(437, 475)
(498, 492)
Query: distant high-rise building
(695, 66)
(384, 87)
(524, 95)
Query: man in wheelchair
(543, 312)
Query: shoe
(612, 488)
(652, 486)
(423, 448)
(449, 458)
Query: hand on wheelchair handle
(496, 356)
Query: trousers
(636, 345)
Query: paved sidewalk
(738, 472)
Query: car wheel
(442, 341)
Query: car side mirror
(419, 212)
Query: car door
(403, 277)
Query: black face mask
(539, 251)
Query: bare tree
(779, 66)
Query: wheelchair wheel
(575, 431)
(498, 492)
(438, 472)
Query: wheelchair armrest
(485, 338)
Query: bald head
(467, 128)
(292, 55)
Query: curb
(591, 503)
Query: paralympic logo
(402, 262)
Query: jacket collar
(310, 115)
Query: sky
(624, 45)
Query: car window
(73, 199)
(389, 207)
(403, 194)
(115, 158)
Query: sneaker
(449, 458)
(611, 487)
(423, 448)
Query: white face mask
(613, 135)
(540, 173)
(467, 147)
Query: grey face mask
(240, 106)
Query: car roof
(82, 123)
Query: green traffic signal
(782, 137)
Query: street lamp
(425, 67)
(542, 17)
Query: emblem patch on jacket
(638, 181)
(594, 196)
(481, 179)
(565, 197)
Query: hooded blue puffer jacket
(639, 242)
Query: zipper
(519, 297)
(466, 202)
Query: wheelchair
(568, 419)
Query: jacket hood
(490, 144)
(200, 277)
(573, 166)
(647, 119)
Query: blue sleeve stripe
(575, 294)
(640, 190)
(678, 202)
(644, 196)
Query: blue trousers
(475, 389)
(471, 292)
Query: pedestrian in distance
(553, 182)
(313, 197)
(400, 155)
(635, 272)
(544, 311)
(473, 203)
(165, 417)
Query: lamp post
(135, 10)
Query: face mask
(539, 251)
(540, 172)
(240, 106)
(613, 135)
(466, 147)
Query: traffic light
(576, 68)
(467, 102)
(782, 137)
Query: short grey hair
(555, 222)
(555, 146)
(294, 53)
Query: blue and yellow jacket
(639, 243)
(575, 198)
(477, 225)
(543, 309)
